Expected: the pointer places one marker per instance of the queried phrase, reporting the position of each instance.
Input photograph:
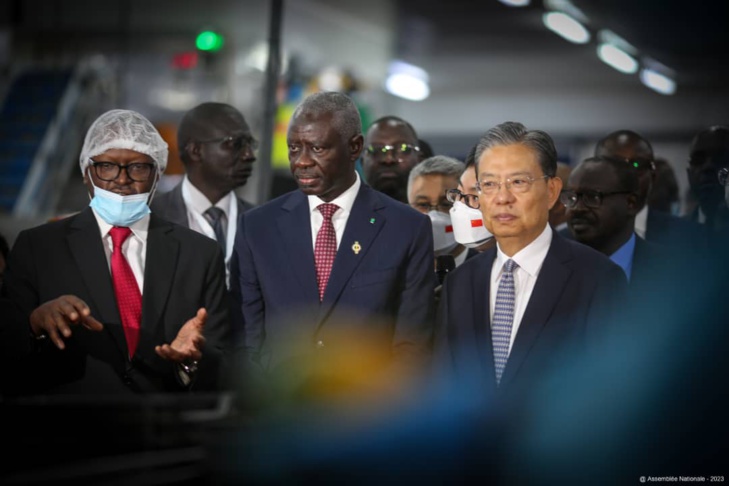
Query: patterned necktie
(217, 219)
(325, 248)
(128, 297)
(503, 318)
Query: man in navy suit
(653, 226)
(509, 314)
(379, 287)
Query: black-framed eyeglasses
(426, 207)
(518, 185)
(723, 175)
(235, 144)
(470, 200)
(109, 171)
(591, 199)
(398, 150)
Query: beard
(396, 188)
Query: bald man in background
(653, 226)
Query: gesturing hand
(56, 317)
(188, 343)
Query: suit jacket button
(320, 344)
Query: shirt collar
(139, 228)
(531, 257)
(641, 221)
(199, 203)
(345, 200)
(623, 256)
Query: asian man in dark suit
(218, 152)
(314, 282)
(114, 299)
(511, 313)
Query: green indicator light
(209, 41)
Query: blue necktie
(503, 318)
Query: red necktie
(325, 248)
(128, 297)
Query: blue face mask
(118, 210)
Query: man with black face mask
(114, 299)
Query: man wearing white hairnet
(116, 299)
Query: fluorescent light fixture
(515, 3)
(566, 27)
(657, 81)
(407, 81)
(617, 58)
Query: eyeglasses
(723, 175)
(235, 144)
(517, 185)
(641, 164)
(470, 200)
(399, 150)
(109, 171)
(425, 207)
(591, 199)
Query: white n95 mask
(443, 239)
(468, 227)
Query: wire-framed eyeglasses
(470, 200)
(516, 185)
(109, 171)
(235, 144)
(398, 150)
(591, 199)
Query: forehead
(309, 126)
(433, 185)
(505, 160)
(390, 132)
(122, 155)
(716, 141)
(626, 147)
(227, 121)
(595, 176)
(468, 179)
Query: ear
(554, 187)
(193, 151)
(356, 144)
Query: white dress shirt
(641, 222)
(134, 247)
(345, 201)
(197, 203)
(530, 260)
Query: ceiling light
(515, 3)
(566, 27)
(617, 58)
(407, 81)
(657, 81)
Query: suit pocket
(374, 277)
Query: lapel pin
(356, 247)
(372, 220)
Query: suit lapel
(549, 286)
(481, 302)
(159, 273)
(88, 252)
(178, 210)
(363, 225)
(294, 227)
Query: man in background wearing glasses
(218, 151)
(653, 226)
(602, 200)
(391, 150)
(509, 314)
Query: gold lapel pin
(356, 247)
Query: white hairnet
(124, 129)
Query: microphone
(443, 265)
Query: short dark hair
(4, 248)
(397, 120)
(339, 105)
(633, 137)
(196, 121)
(512, 133)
